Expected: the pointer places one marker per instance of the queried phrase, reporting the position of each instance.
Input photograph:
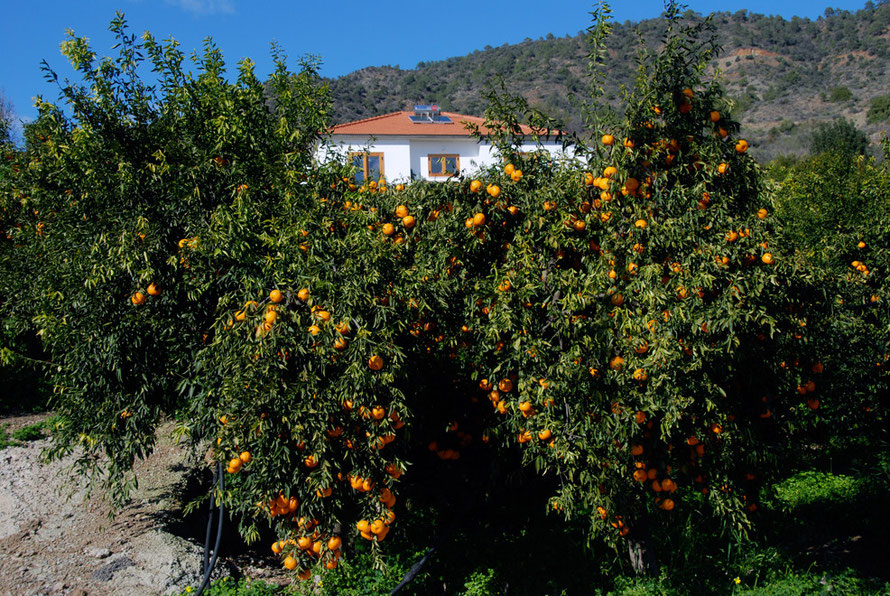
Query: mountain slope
(786, 76)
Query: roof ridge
(370, 119)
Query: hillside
(785, 76)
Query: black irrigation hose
(415, 569)
(453, 527)
(207, 567)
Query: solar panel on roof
(429, 119)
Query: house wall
(467, 149)
(406, 158)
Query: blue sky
(347, 34)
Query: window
(444, 165)
(369, 166)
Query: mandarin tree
(623, 320)
(110, 198)
(835, 212)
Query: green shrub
(879, 110)
(840, 136)
(839, 94)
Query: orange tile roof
(399, 123)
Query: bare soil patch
(55, 539)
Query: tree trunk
(643, 559)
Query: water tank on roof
(428, 114)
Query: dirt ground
(53, 543)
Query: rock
(97, 552)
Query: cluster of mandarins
(311, 548)
(138, 298)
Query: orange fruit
(608, 140)
(388, 229)
(375, 362)
(138, 298)
(475, 186)
(276, 296)
(767, 258)
(154, 290)
(401, 211)
(303, 294)
(741, 146)
(479, 220)
(290, 563)
(408, 221)
(235, 465)
(715, 116)
(494, 190)
(245, 457)
(545, 434)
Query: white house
(424, 144)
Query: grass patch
(228, 586)
(5, 440)
(818, 489)
(31, 432)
